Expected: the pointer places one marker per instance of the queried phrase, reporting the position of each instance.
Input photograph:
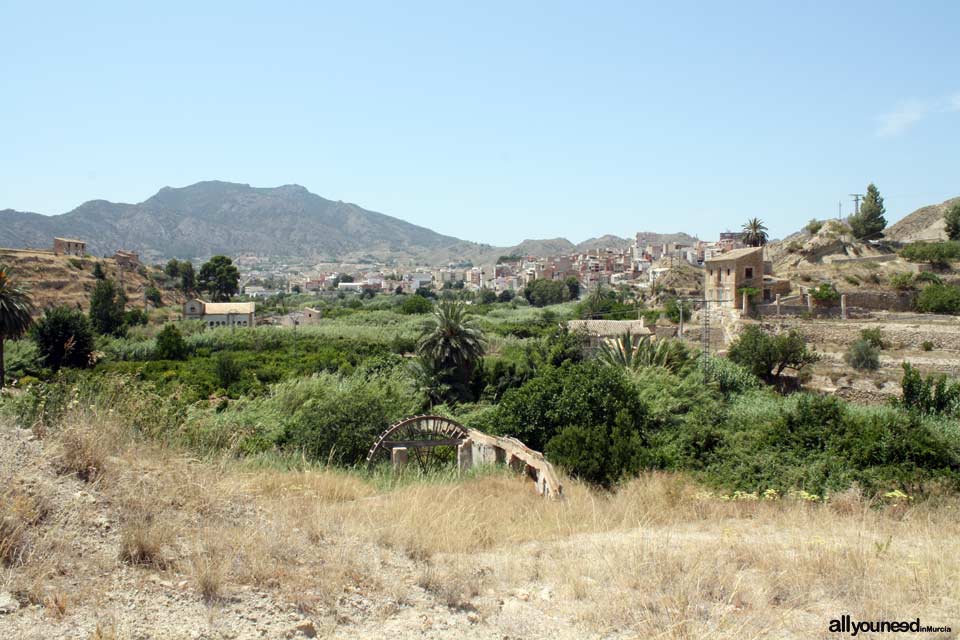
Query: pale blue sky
(490, 121)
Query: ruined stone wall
(881, 300)
(897, 335)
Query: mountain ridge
(215, 216)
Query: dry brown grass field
(102, 536)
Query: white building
(221, 314)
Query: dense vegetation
(938, 254)
(326, 391)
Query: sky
(490, 121)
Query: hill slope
(207, 218)
(61, 280)
(221, 217)
(926, 223)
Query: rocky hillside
(63, 280)
(833, 243)
(223, 217)
(926, 223)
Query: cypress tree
(869, 222)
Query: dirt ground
(106, 537)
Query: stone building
(69, 247)
(221, 314)
(727, 273)
(127, 259)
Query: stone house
(305, 316)
(727, 273)
(221, 314)
(127, 259)
(69, 247)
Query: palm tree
(452, 340)
(621, 351)
(636, 352)
(755, 233)
(15, 312)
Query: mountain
(549, 247)
(222, 217)
(214, 217)
(926, 223)
(645, 238)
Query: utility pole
(680, 307)
(856, 202)
(839, 209)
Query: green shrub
(227, 370)
(818, 444)
(902, 281)
(170, 344)
(541, 293)
(826, 294)
(939, 254)
(933, 394)
(153, 295)
(673, 308)
(928, 276)
(927, 345)
(416, 305)
(575, 397)
(107, 304)
(729, 376)
(951, 219)
(767, 356)
(27, 381)
(939, 298)
(874, 336)
(22, 358)
(64, 338)
(863, 355)
(135, 318)
(813, 226)
(327, 417)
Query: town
(492, 321)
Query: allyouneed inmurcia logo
(846, 624)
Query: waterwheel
(431, 442)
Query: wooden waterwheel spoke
(424, 435)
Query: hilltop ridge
(212, 217)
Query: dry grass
(19, 513)
(659, 557)
(142, 541)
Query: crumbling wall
(897, 335)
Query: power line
(856, 202)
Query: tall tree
(63, 337)
(220, 278)
(754, 232)
(869, 222)
(172, 269)
(452, 344)
(106, 308)
(15, 310)
(188, 277)
(952, 220)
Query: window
(728, 271)
(748, 272)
